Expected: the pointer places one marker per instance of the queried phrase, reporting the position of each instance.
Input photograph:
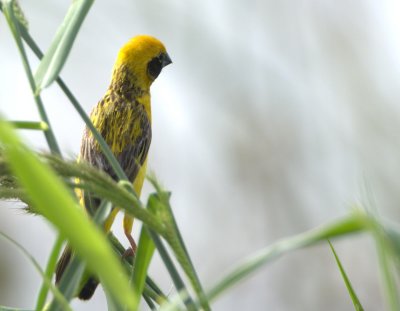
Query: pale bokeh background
(271, 119)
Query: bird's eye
(154, 67)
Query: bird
(123, 118)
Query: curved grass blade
(352, 293)
(50, 197)
(55, 57)
(31, 43)
(355, 222)
(73, 275)
(58, 296)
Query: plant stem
(185, 260)
(385, 265)
(51, 265)
(30, 125)
(15, 29)
(178, 282)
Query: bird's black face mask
(155, 66)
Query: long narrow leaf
(392, 234)
(69, 282)
(385, 255)
(143, 257)
(18, 30)
(50, 197)
(184, 259)
(50, 268)
(55, 57)
(353, 223)
(61, 300)
(75, 272)
(162, 207)
(151, 289)
(173, 272)
(352, 293)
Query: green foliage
(58, 296)
(62, 210)
(144, 254)
(47, 182)
(56, 56)
(352, 293)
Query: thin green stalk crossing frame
(16, 31)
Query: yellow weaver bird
(123, 118)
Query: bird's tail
(89, 286)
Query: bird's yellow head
(144, 56)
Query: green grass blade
(69, 283)
(18, 30)
(355, 222)
(58, 296)
(52, 200)
(30, 125)
(156, 204)
(174, 304)
(173, 272)
(112, 304)
(31, 43)
(174, 238)
(150, 303)
(90, 179)
(151, 297)
(352, 293)
(151, 288)
(50, 268)
(177, 243)
(144, 254)
(75, 272)
(55, 57)
(393, 238)
(160, 296)
(387, 243)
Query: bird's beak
(165, 60)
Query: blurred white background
(270, 120)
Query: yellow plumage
(123, 118)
